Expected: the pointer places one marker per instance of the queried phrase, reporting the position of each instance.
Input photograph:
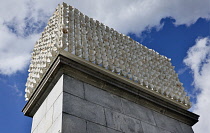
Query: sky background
(177, 29)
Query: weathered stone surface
(56, 91)
(34, 126)
(41, 127)
(92, 110)
(186, 128)
(138, 111)
(49, 110)
(58, 107)
(147, 128)
(39, 115)
(73, 86)
(122, 122)
(45, 122)
(167, 123)
(48, 119)
(72, 124)
(35, 130)
(163, 131)
(95, 128)
(56, 126)
(84, 109)
(102, 97)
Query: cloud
(181, 71)
(22, 21)
(198, 60)
(14, 51)
(136, 15)
(16, 90)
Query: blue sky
(179, 30)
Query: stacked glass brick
(70, 30)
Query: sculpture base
(75, 98)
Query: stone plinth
(80, 98)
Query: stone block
(167, 123)
(55, 92)
(138, 111)
(95, 128)
(73, 86)
(122, 122)
(72, 124)
(102, 97)
(83, 109)
(58, 107)
(163, 131)
(48, 119)
(39, 115)
(34, 126)
(56, 126)
(41, 126)
(186, 128)
(35, 130)
(148, 128)
(46, 122)
(43, 118)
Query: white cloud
(134, 16)
(14, 51)
(22, 20)
(16, 91)
(181, 71)
(198, 59)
